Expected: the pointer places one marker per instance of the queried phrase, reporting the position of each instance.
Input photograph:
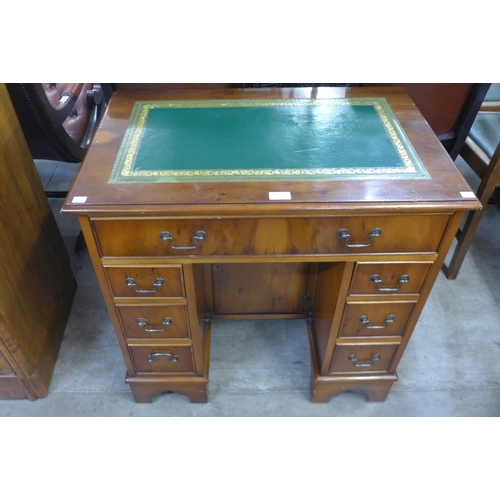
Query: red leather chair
(59, 119)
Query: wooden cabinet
(355, 260)
(36, 282)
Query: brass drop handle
(157, 284)
(173, 357)
(143, 323)
(366, 322)
(354, 360)
(346, 236)
(378, 282)
(199, 236)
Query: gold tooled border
(123, 167)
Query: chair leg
(491, 179)
(464, 241)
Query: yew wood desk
(334, 206)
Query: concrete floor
(262, 368)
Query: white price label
(280, 195)
(467, 194)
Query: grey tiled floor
(262, 368)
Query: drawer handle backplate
(354, 360)
(199, 236)
(366, 322)
(173, 357)
(143, 324)
(157, 284)
(346, 236)
(378, 283)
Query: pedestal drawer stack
(160, 337)
(381, 300)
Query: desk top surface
(224, 140)
(344, 148)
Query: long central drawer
(270, 236)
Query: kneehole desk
(276, 203)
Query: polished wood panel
(37, 284)
(366, 358)
(375, 323)
(162, 363)
(327, 306)
(395, 278)
(260, 288)
(145, 279)
(171, 320)
(270, 236)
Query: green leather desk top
(285, 139)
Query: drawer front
(165, 321)
(270, 236)
(389, 279)
(356, 358)
(145, 282)
(162, 359)
(380, 319)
